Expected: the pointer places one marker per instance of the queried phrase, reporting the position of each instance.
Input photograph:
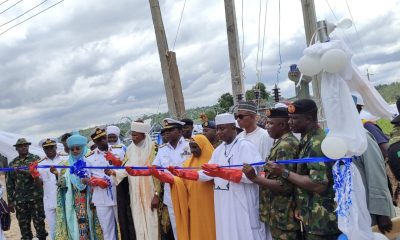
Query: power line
(5, 10)
(179, 25)
(23, 13)
(355, 28)
(4, 2)
(337, 19)
(263, 42)
(8, 29)
(10, 7)
(279, 44)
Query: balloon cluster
(334, 147)
(332, 61)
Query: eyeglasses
(241, 116)
(77, 148)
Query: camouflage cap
(21, 141)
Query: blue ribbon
(79, 169)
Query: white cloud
(84, 63)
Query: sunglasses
(241, 116)
(77, 148)
(49, 147)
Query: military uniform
(317, 210)
(167, 156)
(276, 209)
(27, 197)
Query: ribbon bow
(78, 169)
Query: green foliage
(385, 125)
(390, 92)
(250, 94)
(225, 101)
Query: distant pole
(368, 75)
(169, 67)
(310, 25)
(234, 51)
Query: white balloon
(333, 147)
(309, 66)
(344, 23)
(379, 236)
(334, 61)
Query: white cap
(113, 130)
(224, 118)
(140, 127)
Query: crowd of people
(226, 183)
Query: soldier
(277, 202)
(24, 196)
(315, 204)
(394, 145)
(210, 131)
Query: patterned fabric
(395, 135)
(317, 210)
(276, 209)
(21, 187)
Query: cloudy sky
(83, 63)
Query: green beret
(302, 106)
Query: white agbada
(236, 204)
(141, 189)
(261, 139)
(50, 190)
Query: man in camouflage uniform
(24, 195)
(394, 146)
(277, 202)
(315, 204)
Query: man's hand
(155, 202)
(185, 174)
(33, 170)
(140, 172)
(384, 223)
(110, 172)
(297, 215)
(113, 159)
(249, 172)
(53, 170)
(275, 169)
(11, 207)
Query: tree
(225, 101)
(264, 95)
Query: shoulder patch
(89, 154)
(117, 146)
(162, 145)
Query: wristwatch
(285, 174)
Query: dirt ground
(13, 233)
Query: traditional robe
(194, 201)
(260, 138)
(141, 190)
(236, 204)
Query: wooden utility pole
(234, 51)
(310, 25)
(169, 67)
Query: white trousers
(172, 220)
(51, 220)
(107, 218)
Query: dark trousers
(125, 218)
(28, 211)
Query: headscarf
(77, 140)
(207, 150)
(116, 131)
